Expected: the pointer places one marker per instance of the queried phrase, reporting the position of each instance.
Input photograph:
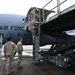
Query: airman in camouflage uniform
(9, 52)
(19, 50)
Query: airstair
(61, 53)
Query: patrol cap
(8, 38)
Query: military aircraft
(11, 25)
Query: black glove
(4, 55)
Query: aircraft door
(1, 40)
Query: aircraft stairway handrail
(47, 13)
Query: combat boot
(12, 70)
(8, 72)
(19, 66)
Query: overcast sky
(22, 6)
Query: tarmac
(29, 68)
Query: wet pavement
(29, 68)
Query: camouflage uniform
(9, 51)
(19, 49)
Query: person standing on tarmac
(9, 52)
(20, 50)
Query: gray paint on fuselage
(11, 25)
(12, 28)
(3, 27)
